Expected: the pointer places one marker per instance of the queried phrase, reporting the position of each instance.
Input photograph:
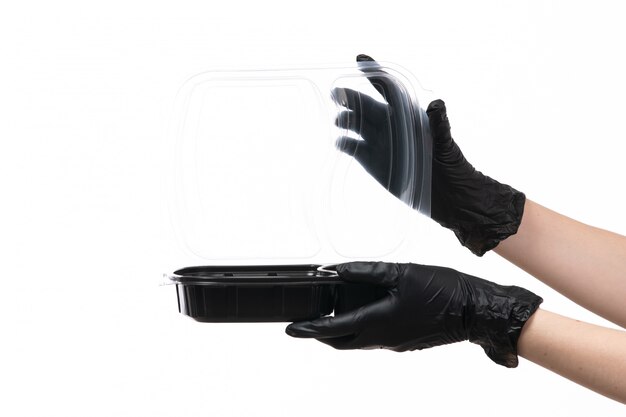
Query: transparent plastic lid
(315, 165)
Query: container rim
(304, 274)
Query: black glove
(479, 210)
(426, 306)
(390, 132)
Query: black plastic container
(255, 293)
(275, 293)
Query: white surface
(535, 95)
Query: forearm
(589, 355)
(586, 264)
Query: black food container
(274, 293)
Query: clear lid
(315, 165)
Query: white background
(535, 95)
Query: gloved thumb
(438, 120)
(325, 327)
(364, 58)
(377, 77)
(375, 273)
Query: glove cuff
(497, 325)
(482, 237)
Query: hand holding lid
(478, 209)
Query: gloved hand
(426, 306)
(479, 210)
(389, 140)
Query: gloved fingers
(339, 343)
(349, 330)
(358, 149)
(439, 123)
(347, 98)
(377, 273)
(350, 120)
(351, 342)
(369, 321)
(362, 104)
(364, 115)
(350, 146)
(326, 327)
